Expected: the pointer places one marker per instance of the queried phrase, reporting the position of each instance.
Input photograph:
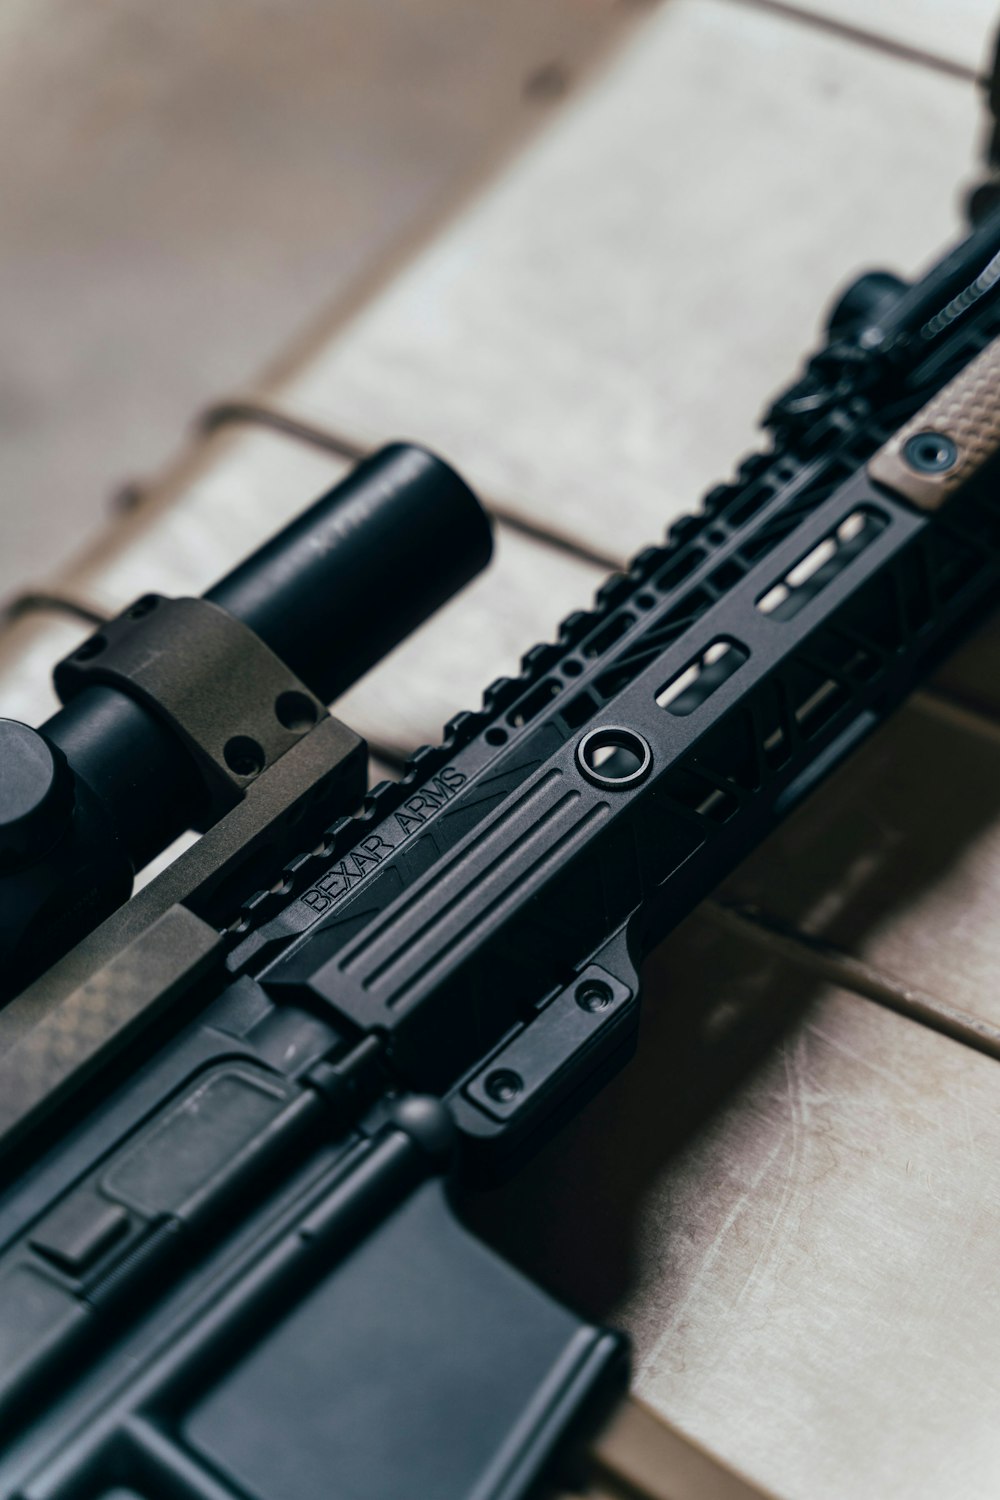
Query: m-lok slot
(822, 564)
(692, 687)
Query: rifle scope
(171, 710)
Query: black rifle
(234, 1111)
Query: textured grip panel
(967, 411)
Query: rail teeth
(753, 466)
(684, 528)
(460, 729)
(613, 590)
(540, 658)
(379, 799)
(645, 562)
(576, 625)
(500, 693)
(421, 763)
(718, 497)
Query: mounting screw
(503, 1085)
(930, 453)
(593, 995)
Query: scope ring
(236, 714)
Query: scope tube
(331, 594)
(356, 573)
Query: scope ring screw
(930, 453)
(593, 995)
(243, 756)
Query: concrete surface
(185, 186)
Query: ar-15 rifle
(232, 1111)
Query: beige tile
(594, 339)
(956, 31)
(239, 488)
(897, 859)
(185, 187)
(482, 634)
(791, 1200)
(641, 1457)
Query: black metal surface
(36, 794)
(119, 750)
(362, 568)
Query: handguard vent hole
(529, 708)
(605, 638)
(698, 681)
(826, 561)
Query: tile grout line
(874, 40)
(262, 414)
(406, 246)
(847, 972)
(44, 601)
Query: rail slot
(698, 681)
